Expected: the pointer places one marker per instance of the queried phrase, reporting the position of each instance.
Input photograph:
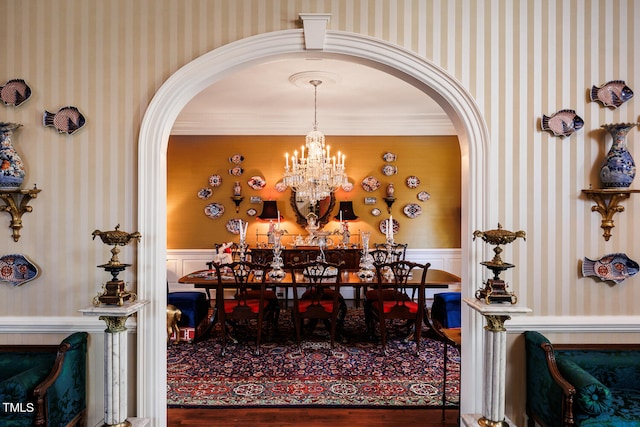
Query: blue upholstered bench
(446, 309)
(594, 386)
(195, 319)
(44, 384)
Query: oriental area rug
(356, 372)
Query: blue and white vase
(11, 167)
(618, 168)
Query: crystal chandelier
(315, 174)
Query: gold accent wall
(435, 160)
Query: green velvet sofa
(582, 385)
(44, 385)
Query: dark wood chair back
(246, 304)
(398, 251)
(321, 298)
(392, 301)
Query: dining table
(207, 279)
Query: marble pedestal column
(115, 359)
(495, 362)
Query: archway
(197, 75)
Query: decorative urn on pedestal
(115, 291)
(495, 289)
(618, 169)
(11, 167)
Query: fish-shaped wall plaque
(613, 267)
(612, 94)
(562, 123)
(15, 92)
(66, 120)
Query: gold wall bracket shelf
(608, 204)
(17, 203)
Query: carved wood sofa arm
(568, 390)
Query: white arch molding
(199, 74)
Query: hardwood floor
(311, 417)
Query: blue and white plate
(205, 193)
(423, 196)
(214, 210)
(412, 210)
(215, 180)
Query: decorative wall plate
(562, 123)
(17, 269)
(614, 267)
(348, 186)
(383, 226)
(413, 181)
(65, 120)
(412, 210)
(375, 212)
(233, 225)
(15, 92)
(215, 180)
(423, 196)
(612, 94)
(205, 193)
(236, 171)
(280, 186)
(389, 170)
(251, 212)
(257, 182)
(389, 157)
(370, 183)
(214, 210)
(236, 159)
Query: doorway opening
(199, 74)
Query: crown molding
(239, 123)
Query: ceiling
(276, 98)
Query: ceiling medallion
(303, 78)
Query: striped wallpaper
(519, 59)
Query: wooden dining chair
(389, 301)
(379, 256)
(398, 251)
(246, 304)
(321, 299)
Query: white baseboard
(55, 324)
